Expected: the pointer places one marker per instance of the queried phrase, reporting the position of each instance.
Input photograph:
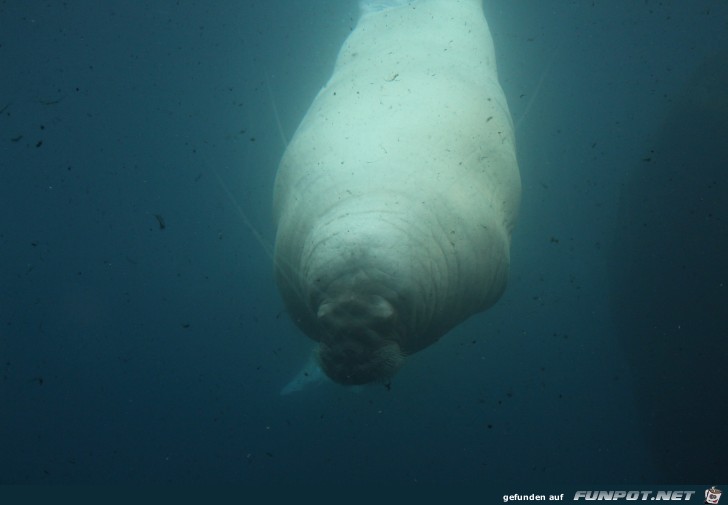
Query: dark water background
(132, 353)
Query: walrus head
(358, 343)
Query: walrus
(395, 199)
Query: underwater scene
(402, 242)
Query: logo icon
(712, 495)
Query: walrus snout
(358, 343)
(351, 361)
(355, 310)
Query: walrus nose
(354, 310)
(360, 359)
